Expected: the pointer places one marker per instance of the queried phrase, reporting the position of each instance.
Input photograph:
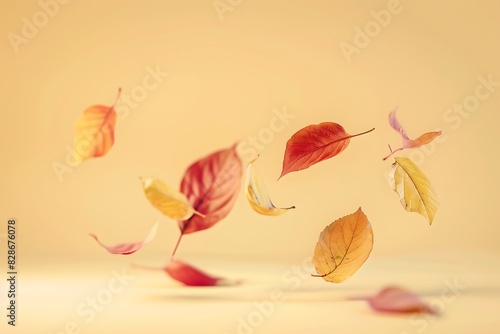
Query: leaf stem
(324, 275)
(117, 97)
(176, 246)
(335, 262)
(362, 133)
(199, 214)
(392, 152)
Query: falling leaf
(424, 139)
(398, 300)
(128, 248)
(191, 276)
(313, 144)
(343, 247)
(212, 185)
(414, 188)
(168, 201)
(257, 195)
(94, 131)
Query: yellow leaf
(95, 132)
(414, 188)
(257, 195)
(343, 247)
(168, 201)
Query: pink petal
(396, 125)
(191, 276)
(128, 248)
(397, 300)
(424, 139)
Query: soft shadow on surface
(242, 295)
(224, 294)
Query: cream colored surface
(276, 297)
(227, 81)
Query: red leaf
(128, 248)
(191, 276)
(424, 139)
(398, 300)
(313, 144)
(212, 185)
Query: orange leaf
(426, 138)
(94, 131)
(343, 247)
(313, 144)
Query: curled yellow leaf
(343, 247)
(168, 201)
(415, 191)
(257, 194)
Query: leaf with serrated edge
(168, 201)
(415, 191)
(343, 247)
(95, 132)
(211, 185)
(257, 194)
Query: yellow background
(225, 79)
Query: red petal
(128, 248)
(398, 300)
(212, 185)
(313, 144)
(192, 276)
